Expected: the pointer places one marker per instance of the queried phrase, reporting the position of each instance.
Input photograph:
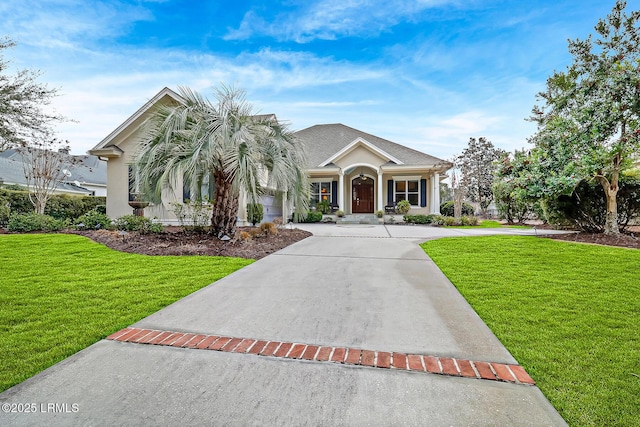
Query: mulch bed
(625, 240)
(174, 241)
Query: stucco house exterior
(354, 171)
(361, 173)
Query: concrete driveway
(381, 299)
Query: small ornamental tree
(590, 117)
(477, 165)
(45, 164)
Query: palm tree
(227, 141)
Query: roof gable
(357, 143)
(330, 141)
(109, 139)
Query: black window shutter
(423, 192)
(186, 190)
(334, 192)
(390, 192)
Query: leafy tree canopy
(477, 165)
(22, 98)
(589, 122)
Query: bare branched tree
(45, 164)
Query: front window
(320, 191)
(407, 190)
(207, 189)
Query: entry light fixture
(362, 175)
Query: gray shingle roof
(87, 169)
(323, 141)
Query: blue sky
(428, 74)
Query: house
(354, 171)
(85, 175)
(362, 173)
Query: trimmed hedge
(586, 208)
(137, 223)
(59, 206)
(420, 219)
(446, 209)
(24, 223)
(313, 217)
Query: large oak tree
(589, 123)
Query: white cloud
(333, 19)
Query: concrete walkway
(374, 290)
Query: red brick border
(350, 356)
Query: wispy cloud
(333, 19)
(67, 23)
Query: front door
(362, 197)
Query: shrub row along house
(352, 171)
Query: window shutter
(212, 188)
(423, 192)
(334, 192)
(390, 192)
(186, 190)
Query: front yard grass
(488, 223)
(61, 293)
(569, 313)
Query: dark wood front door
(362, 197)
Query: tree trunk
(458, 197)
(611, 193)
(225, 208)
(611, 222)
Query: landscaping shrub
(446, 209)
(269, 228)
(419, 219)
(140, 224)
(59, 206)
(18, 200)
(24, 223)
(403, 207)
(340, 213)
(92, 220)
(468, 220)
(449, 221)
(193, 215)
(585, 208)
(255, 233)
(5, 210)
(255, 213)
(64, 206)
(313, 217)
(244, 236)
(323, 207)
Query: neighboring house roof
(84, 170)
(325, 142)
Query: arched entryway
(362, 197)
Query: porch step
(358, 219)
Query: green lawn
(487, 223)
(61, 293)
(569, 313)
